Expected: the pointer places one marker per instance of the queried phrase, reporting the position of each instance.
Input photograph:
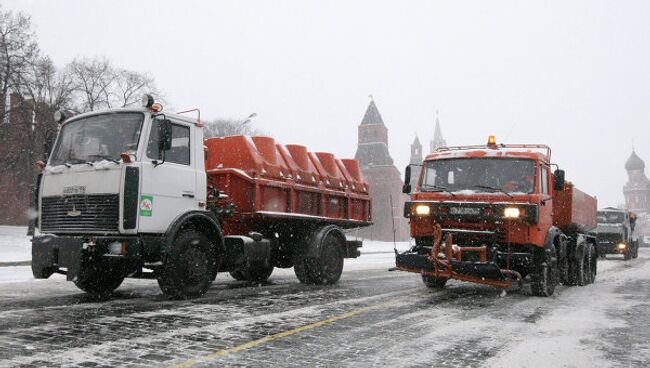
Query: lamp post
(249, 118)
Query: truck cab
(614, 233)
(115, 184)
(499, 213)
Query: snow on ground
(14, 244)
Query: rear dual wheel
(327, 266)
(582, 271)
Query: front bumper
(70, 254)
(611, 248)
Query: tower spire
(438, 141)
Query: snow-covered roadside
(14, 244)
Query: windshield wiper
(438, 188)
(102, 157)
(493, 189)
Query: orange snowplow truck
(495, 214)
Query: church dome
(634, 162)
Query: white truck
(127, 193)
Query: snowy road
(372, 317)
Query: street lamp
(249, 118)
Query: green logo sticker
(146, 205)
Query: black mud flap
(352, 248)
(487, 270)
(50, 252)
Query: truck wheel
(544, 272)
(257, 273)
(98, 280)
(189, 267)
(628, 254)
(325, 269)
(433, 282)
(636, 250)
(587, 264)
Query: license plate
(76, 189)
(464, 211)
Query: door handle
(188, 195)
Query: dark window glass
(479, 175)
(180, 150)
(605, 217)
(544, 180)
(98, 137)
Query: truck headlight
(511, 212)
(422, 210)
(621, 246)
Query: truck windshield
(610, 217)
(479, 175)
(98, 137)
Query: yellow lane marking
(263, 340)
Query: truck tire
(628, 254)
(587, 264)
(433, 282)
(636, 250)
(257, 273)
(577, 269)
(189, 266)
(326, 268)
(544, 272)
(98, 280)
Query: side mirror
(406, 188)
(558, 180)
(164, 135)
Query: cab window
(544, 181)
(180, 150)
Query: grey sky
(572, 74)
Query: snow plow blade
(443, 261)
(422, 263)
(487, 270)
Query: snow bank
(14, 244)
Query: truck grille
(80, 213)
(609, 238)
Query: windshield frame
(87, 116)
(607, 214)
(498, 190)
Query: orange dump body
(571, 206)
(269, 182)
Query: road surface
(371, 318)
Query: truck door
(546, 200)
(168, 188)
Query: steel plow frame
(443, 268)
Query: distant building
(25, 134)
(637, 188)
(637, 194)
(383, 177)
(417, 154)
(416, 162)
(437, 141)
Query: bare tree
(92, 80)
(130, 86)
(226, 127)
(18, 50)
